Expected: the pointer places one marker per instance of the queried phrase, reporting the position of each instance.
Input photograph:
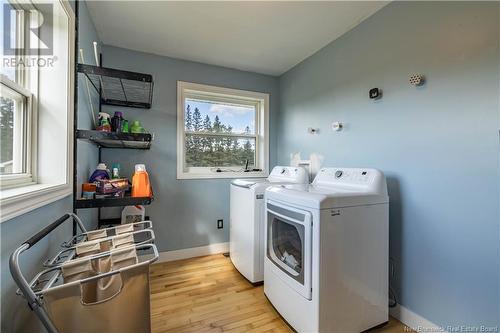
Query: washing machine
(246, 224)
(326, 260)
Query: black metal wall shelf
(116, 140)
(114, 221)
(114, 87)
(112, 202)
(121, 88)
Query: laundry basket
(107, 291)
(121, 306)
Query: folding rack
(119, 88)
(33, 291)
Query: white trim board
(413, 320)
(52, 174)
(230, 96)
(193, 252)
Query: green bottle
(125, 128)
(136, 127)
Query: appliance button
(338, 173)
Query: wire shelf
(112, 202)
(116, 140)
(120, 88)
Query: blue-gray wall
(437, 144)
(87, 152)
(15, 314)
(184, 211)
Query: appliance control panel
(289, 174)
(347, 176)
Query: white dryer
(326, 263)
(246, 224)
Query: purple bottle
(117, 122)
(101, 172)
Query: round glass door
(286, 246)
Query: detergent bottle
(101, 172)
(132, 214)
(140, 182)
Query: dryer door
(289, 237)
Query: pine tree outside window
(222, 133)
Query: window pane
(219, 151)
(212, 116)
(12, 134)
(9, 37)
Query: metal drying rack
(32, 291)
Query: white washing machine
(246, 224)
(326, 263)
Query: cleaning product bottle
(140, 182)
(115, 171)
(103, 122)
(116, 122)
(101, 172)
(125, 126)
(105, 126)
(136, 127)
(132, 214)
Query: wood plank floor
(207, 294)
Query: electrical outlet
(220, 224)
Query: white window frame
(257, 99)
(25, 128)
(25, 84)
(52, 161)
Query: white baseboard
(414, 321)
(193, 252)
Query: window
(221, 132)
(17, 89)
(15, 126)
(36, 104)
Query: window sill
(222, 175)
(20, 200)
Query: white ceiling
(263, 36)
